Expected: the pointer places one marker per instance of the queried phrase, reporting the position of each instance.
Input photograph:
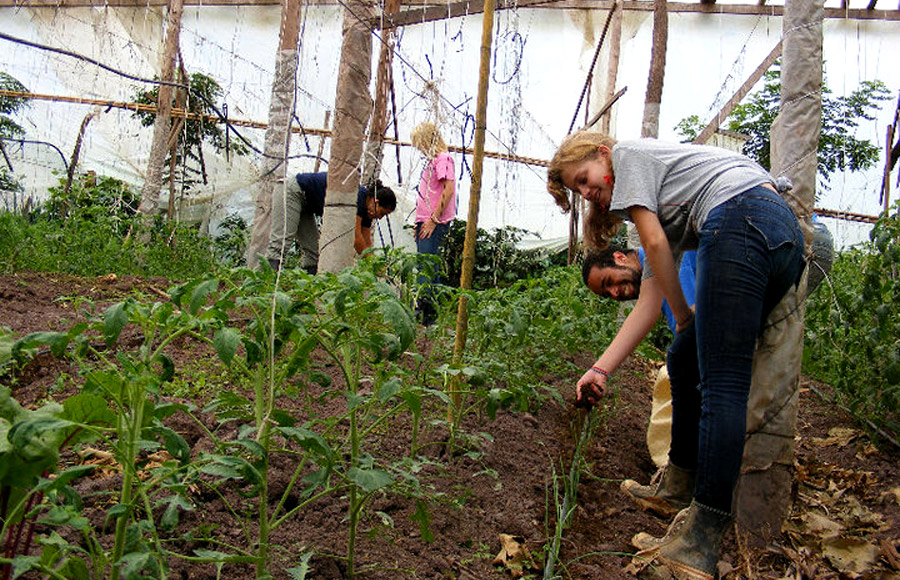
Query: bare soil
(845, 520)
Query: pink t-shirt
(430, 188)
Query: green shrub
(92, 230)
(498, 262)
(853, 327)
(522, 334)
(230, 244)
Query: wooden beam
(754, 77)
(419, 12)
(461, 8)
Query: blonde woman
(436, 200)
(750, 251)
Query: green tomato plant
(853, 327)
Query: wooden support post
(886, 182)
(612, 64)
(653, 100)
(763, 494)
(468, 259)
(162, 123)
(375, 146)
(891, 154)
(352, 109)
(277, 140)
(321, 149)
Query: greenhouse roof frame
(417, 11)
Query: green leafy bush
(188, 168)
(853, 327)
(537, 323)
(498, 262)
(231, 242)
(839, 147)
(91, 230)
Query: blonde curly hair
(427, 139)
(600, 226)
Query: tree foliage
(195, 131)
(9, 128)
(839, 148)
(10, 106)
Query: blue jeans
(430, 245)
(684, 382)
(751, 252)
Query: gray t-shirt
(680, 183)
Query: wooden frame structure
(417, 11)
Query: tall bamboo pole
(468, 259)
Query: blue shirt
(314, 185)
(687, 275)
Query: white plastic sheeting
(540, 61)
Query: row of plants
(354, 319)
(271, 342)
(92, 228)
(853, 328)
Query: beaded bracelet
(600, 371)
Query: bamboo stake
(468, 259)
(886, 183)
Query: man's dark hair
(384, 195)
(601, 259)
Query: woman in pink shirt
(436, 200)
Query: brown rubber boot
(690, 548)
(669, 492)
(644, 541)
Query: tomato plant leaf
(369, 480)
(114, 320)
(226, 342)
(423, 517)
(399, 319)
(200, 293)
